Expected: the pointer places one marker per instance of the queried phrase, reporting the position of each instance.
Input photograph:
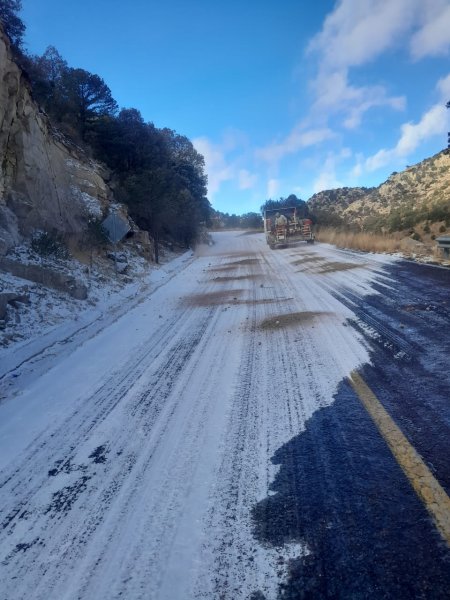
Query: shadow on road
(340, 491)
(339, 488)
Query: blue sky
(280, 97)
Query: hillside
(416, 200)
(46, 182)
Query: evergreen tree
(46, 73)
(290, 202)
(87, 97)
(12, 23)
(156, 172)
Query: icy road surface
(207, 444)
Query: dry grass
(360, 241)
(387, 243)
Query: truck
(283, 228)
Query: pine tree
(12, 23)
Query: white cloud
(357, 31)
(327, 178)
(334, 94)
(443, 87)
(432, 123)
(217, 167)
(356, 171)
(227, 160)
(378, 160)
(296, 140)
(326, 181)
(272, 187)
(247, 180)
(433, 38)
(299, 190)
(232, 139)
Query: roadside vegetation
(253, 220)
(413, 203)
(389, 243)
(291, 201)
(156, 172)
(247, 221)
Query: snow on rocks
(91, 203)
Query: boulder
(12, 299)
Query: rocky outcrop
(45, 276)
(46, 183)
(335, 202)
(419, 194)
(12, 299)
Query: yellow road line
(425, 484)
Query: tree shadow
(340, 491)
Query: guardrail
(444, 245)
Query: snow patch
(92, 204)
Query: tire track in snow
(32, 510)
(278, 391)
(186, 435)
(47, 576)
(105, 399)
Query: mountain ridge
(416, 197)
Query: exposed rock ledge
(45, 182)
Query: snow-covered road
(141, 465)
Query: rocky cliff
(46, 183)
(418, 195)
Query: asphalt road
(267, 424)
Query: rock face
(46, 183)
(420, 193)
(336, 202)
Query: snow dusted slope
(131, 467)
